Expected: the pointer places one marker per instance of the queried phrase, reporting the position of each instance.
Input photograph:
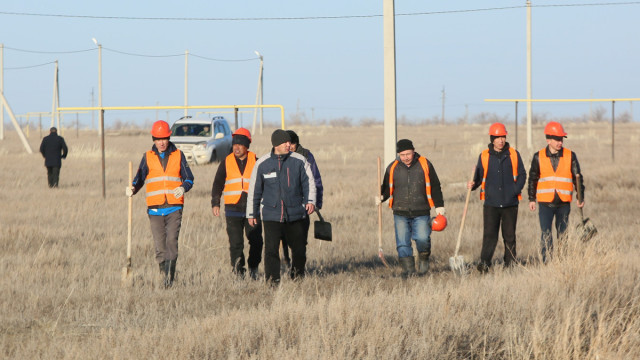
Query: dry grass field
(62, 251)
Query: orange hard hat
(497, 129)
(160, 129)
(244, 132)
(438, 223)
(554, 129)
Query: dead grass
(61, 252)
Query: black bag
(321, 228)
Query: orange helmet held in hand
(438, 223)
(497, 129)
(554, 129)
(244, 132)
(160, 129)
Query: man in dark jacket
(413, 187)
(232, 181)
(501, 175)
(297, 148)
(552, 180)
(53, 149)
(283, 187)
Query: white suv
(202, 140)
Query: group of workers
(412, 186)
(280, 190)
(277, 192)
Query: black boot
(423, 262)
(483, 267)
(167, 274)
(408, 266)
(253, 272)
(172, 271)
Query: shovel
(126, 271)
(456, 263)
(380, 253)
(586, 229)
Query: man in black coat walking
(53, 149)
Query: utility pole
(186, 81)
(443, 98)
(93, 113)
(529, 95)
(390, 104)
(2, 91)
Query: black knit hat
(294, 137)
(279, 137)
(403, 145)
(240, 140)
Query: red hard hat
(160, 129)
(438, 223)
(497, 129)
(554, 129)
(243, 131)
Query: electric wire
(298, 18)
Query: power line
(48, 52)
(29, 67)
(337, 17)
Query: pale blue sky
(333, 66)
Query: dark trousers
(285, 246)
(236, 226)
(493, 218)
(297, 241)
(165, 231)
(53, 175)
(546, 214)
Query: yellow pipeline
(90, 108)
(561, 100)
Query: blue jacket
(281, 186)
(500, 189)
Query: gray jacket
(281, 186)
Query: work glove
(377, 199)
(440, 211)
(128, 191)
(178, 192)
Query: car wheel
(213, 156)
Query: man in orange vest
(168, 177)
(552, 180)
(413, 187)
(501, 176)
(232, 182)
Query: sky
(322, 59)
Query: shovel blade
(586, 230)
(456, 263)
(381, 256)
(127, 276)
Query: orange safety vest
(551, 182)
(484, 157)
(161, 182)
(236, 182)
(425, 167)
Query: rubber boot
(483, 268)
(172, 271)
(408, 266)
(423, 262)
(167, 272)
(253, 273)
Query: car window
(220, 128)
(186, 129)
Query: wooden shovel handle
(379, 208)
(464, 213)
(129, 216)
